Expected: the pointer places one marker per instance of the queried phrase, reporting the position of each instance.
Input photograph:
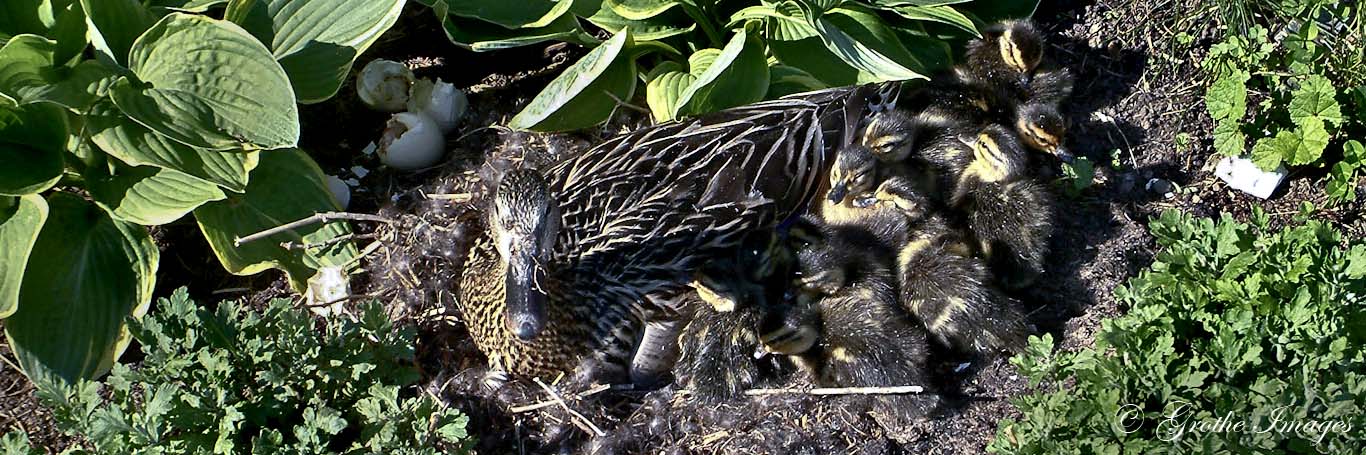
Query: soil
(1137, 112)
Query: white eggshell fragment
(340, 191)
(1243, 175)
(383, 85)
(411, 141)
(441, 101)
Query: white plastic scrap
(1244, 175)
(360, 171)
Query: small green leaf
(87, 274)
(664, 86)
(32, 138)
(289, 172)
(136, 145)
(1227, 97)
(1267, 153)
(1315, 99)
(1342, 183)
(583, 95)
(149, 196)
(737, 75)
(1229, 139)
(115, 24)
(20, 219)
(209, 84)
(316, 42)
(1309, 141)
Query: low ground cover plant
(1234, 324)
(698, 56)
(117, 115)
(234, 380)
(1289, 87)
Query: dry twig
(548, 403)
(894, 390)
(316, 218)
(577, 417)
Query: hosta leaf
(940, 14)
(317, 41)
(289, 172)
(862, 41)
(1227, 97)
(187, 6)
(482, 36)
(652, 28)
(1315, 99)
(31, 74)
(640, 9)
(69, 32)
(20, 219)
(894, 3)
(665, 84)
(87, 274)
(32, 138)
(18, 17)
(583, 95)
(209, 84)
(509, 14)
(785, 80)
(136, 145)
(737, 75)
(115, 24)
(991, 12)
(149, 195)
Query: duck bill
(526, 302)
(838, 192)
(1063, 154)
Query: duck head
(1042, 127)
(890, 135)
(524, 221)
(852, 174)
(1020, 43)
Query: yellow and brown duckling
(853, 334)
(1042, 127)
(1010, 218)
(734, 296)
(857, 182)
(950, 291)
(1026, 89)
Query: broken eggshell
(383, 85)
(340, 191)
(411, 141)
(441, 101)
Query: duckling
(1005, 56)
(1042, 127)
(856, 179)
(1010, 218)
(852, 334)
(733, 297)
(950, 291)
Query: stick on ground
(316, 218)
(895, 390)
(575, 414)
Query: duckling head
(524, 220)
(853, 174)
(793, 331)
(890, 135)
(1020, 43)
(1042, 128)
(997, 154)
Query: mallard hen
(572, 251)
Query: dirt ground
(1137, 100)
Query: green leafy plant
(1310, 106)
(17, 443)
(1232, 323)
(698, 56)
(116, 115)
(1077, 176)
(238, 381)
